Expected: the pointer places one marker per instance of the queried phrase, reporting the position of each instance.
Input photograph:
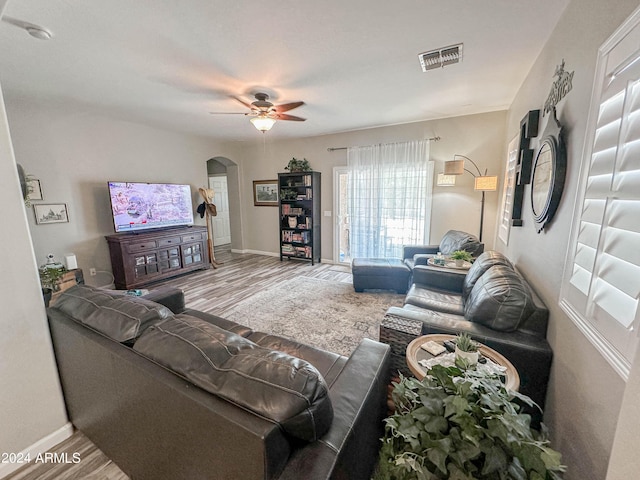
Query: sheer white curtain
(389, 197)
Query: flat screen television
(144, 206)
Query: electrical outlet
(92, 272)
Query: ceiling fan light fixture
(263, 123)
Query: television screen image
(143, 206)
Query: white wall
(74, 152)
(31, 403)
(479, 137)
(585, 392)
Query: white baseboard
(256, 252)
(272, 254)
(40, 446)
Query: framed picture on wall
(51, 213)
(34, 189)
(265, 193)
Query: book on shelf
(296, 237)
(287, 209)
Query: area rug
(325, 314)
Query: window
(388, 198)
(601, 284)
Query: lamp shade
(486, 183)
(454, 167)
(446, 180)
(263, 123)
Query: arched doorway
(223, 179)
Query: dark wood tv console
(138, 259)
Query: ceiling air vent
(440, 58)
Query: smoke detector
(441, 57)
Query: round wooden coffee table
(415, 354)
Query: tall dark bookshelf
(299, 200)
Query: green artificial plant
(288, 194)
(465, 343)
(50, 277)
(296, 165)
(461, 255)
(460, 424)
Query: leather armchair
(451, 241)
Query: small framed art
(34, 189)
(51, 213)
(265, 193)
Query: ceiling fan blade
(284, 116)
(228, 113)
(248, 105)
(285, 107)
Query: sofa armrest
(359, 398)
(170, 297)
(408, 251)
(436, 278)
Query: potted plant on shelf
(466, 349)
(296, 165)
(288, 194)
(461, 256)
(461, 424)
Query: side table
(415, 353)
(69, 279)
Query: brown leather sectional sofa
(178, 393)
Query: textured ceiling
(355, 64)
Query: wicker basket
(398, 332)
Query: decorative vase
(459, 262)
(293, 222)
(470, 357)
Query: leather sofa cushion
(500, 299)
(457, 240)
(119, 316)
(483, 263)
(269, 383)
(329, 364)
(438, 301)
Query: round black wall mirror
(547, 177)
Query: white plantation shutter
(601, 290)
(508, 189)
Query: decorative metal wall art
(559, 89)
(528, 130)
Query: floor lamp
(482, 182)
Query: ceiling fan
(32, 29)
(264, 112)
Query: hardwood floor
(242, 275)
(215, 291)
